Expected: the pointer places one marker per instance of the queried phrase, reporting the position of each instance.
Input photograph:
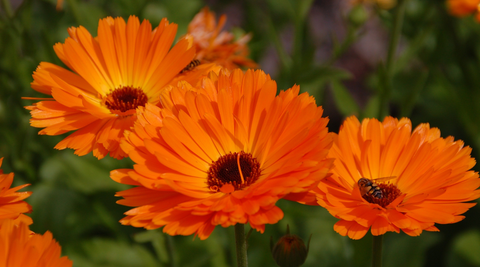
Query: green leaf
(102, 252)
(372, 108)
(157, 238)
(344, 100)
(466, 245)
(402, 250)
(85, 174)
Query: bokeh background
(334, 51)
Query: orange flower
(221, 154)
(462, 8)
(59, 5)
(121, 69)
(12, 204)
(384, 4)
(215, 46)
(19, 247)
(428, 178)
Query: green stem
(170, 250)
(8, 8)
(392, 49)
(377, 251)
(241, 245)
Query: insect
(191, 65)
(369, 187)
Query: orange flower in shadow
(12, 204)
(425, 178)
(218, 47)
(461, 8)
(123, 68)
(59, 5)
(222, 153)
(19, 247)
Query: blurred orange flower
(12, 204)
(384, 4)
(59, 5)
(222, 153)
(462, 8)
(121, 69)
(19, 247)
(218, 47)
(429, 178)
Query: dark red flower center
(125, 98)
(389, 193)
(232, 172)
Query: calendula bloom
(19, 247)
(424, 179)
(113, 74)
(212, 45)
(461, 8)
(12, 204)
(222, 153)
(384, 4)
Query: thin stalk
(377, 251)
(170, 250)
(389, 66)
(7, 8)
(241, 245)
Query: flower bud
(289, 251)
(358, 15)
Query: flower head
(123, 68)
(218, 47)
(12, 204)
(19, 247)
(424, 179)
(461, 8)
(222, 153)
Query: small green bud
(358, 15)
(289, 251)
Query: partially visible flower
(461, 8)
(384, 4)
(19, 247)
(222, 153)
(12, 204)
(123, 68)
(59, 5)
(429, 178)
(212, 45)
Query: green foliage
(434, 78)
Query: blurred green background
(335, 52)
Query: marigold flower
(12, 204)
(121, 69)
(428, 178)
(222, 153)
(461, 8)
(19, 247)
(218, 47)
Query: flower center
(125, 98)
(232, 172)
(389, 193)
